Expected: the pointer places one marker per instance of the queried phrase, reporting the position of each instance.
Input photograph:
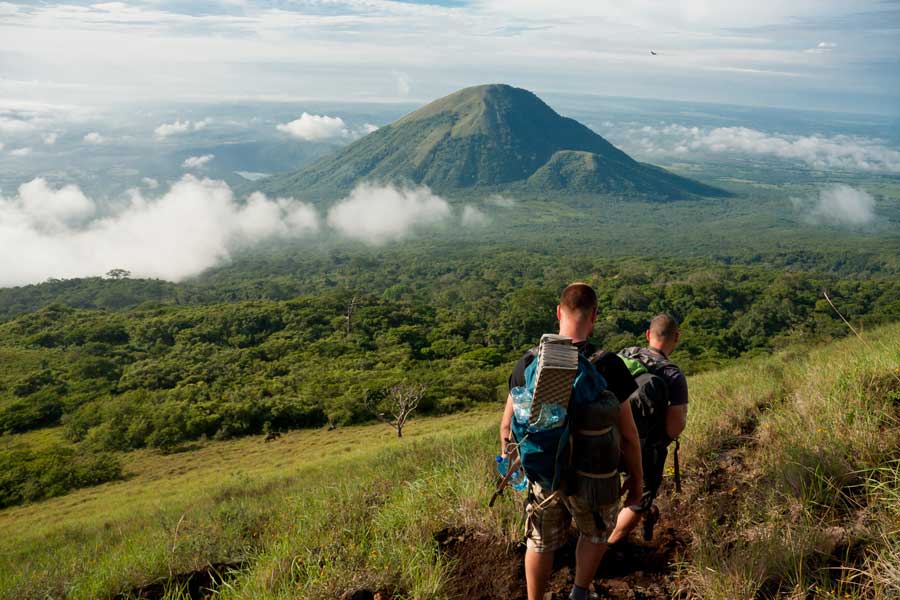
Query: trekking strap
(677, 469)
(549, 500)
(509, 471)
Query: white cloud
(45, 209)
(178, 127)
(822, 48)
(197, 162)
(378, 214)
(20, 152)
(315, 127)
(1, 146)
(50, 138)
(167, 129)
(150, 182)
(93, 138)
(819, 152)
(838, 205)
(322, 127)
(472, 216)
(196, 225)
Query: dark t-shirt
(676, 382)
(618, 379)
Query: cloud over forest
(197, 224)
(838, 205)
(378, 214)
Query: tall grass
(802, 526)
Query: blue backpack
(547, 455)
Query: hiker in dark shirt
(548, 520)
(662, 337)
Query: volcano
(490, 137)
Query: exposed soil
(199, 585)
(488, 569)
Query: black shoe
(650, 519)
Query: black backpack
(650, 401)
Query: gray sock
(579, 593)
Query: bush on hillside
(29, 475)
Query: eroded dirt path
(487, 569)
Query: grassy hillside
(792, 489)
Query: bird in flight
(653, 53)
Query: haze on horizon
(831, 55)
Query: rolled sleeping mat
(596, 449)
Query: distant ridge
(489, 136)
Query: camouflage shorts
(547, 523)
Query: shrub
(29, 475)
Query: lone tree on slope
(400, 402)
(118, 274)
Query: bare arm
(631, 451)
(676, 419)
(506, 424)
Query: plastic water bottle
(521, 398)
(552, 415)
(517, 480)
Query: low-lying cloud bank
(378, 214)
(819, 152)
(197, 224)
(838, 205)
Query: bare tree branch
(401, 402)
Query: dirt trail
(487, 569)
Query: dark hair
(663, 326)
(579, 297)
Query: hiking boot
(650, 519)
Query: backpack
(650, 401)
(582, 456)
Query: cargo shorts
(547, 522)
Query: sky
(811, 54)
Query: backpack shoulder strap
(597, 356)
(652, 363)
